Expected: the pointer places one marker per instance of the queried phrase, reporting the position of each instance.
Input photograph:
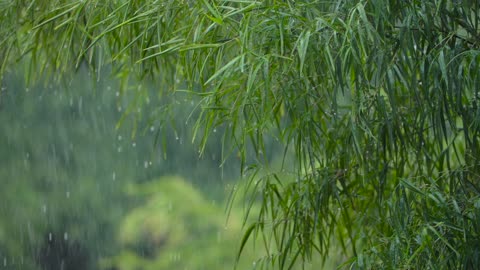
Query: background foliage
(65, 171)
(377, 100)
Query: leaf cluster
(376, 99)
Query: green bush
(175, 227)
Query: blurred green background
(91, 180)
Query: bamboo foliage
(378, 100)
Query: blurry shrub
(177, 228)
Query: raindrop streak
(44, 208)
(65, 236)
(113, 176)
(4, 261)
(50, 237)
(68, 194)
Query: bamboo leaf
(244, 240)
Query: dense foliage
(377, 99)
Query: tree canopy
(377, 101)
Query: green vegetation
(65, 169)
(375, 104)
(176, 228)
(51, 163)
